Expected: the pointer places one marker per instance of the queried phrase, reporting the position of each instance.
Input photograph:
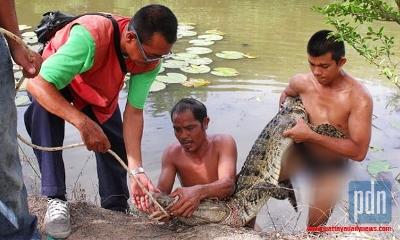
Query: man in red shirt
(79, 82)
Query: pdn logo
(370, 202)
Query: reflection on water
(274, 30)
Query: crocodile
(257, 180)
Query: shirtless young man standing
(330, 96)
(205, 164)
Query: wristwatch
(137, 171)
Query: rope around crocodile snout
(30, 55)
(110, 152)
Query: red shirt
(101, 84)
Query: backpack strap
(117, 39)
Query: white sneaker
(57, 221)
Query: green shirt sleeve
(139, 87)
(74, 57)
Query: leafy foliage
(373, 43)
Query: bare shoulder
(223, 143)
(301, 76)
(172, 151)
(360, 94)
(301, 81)
(223, 139)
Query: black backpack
(55, 20)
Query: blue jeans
(15, 220)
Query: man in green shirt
(80, 80)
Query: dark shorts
(316, 164)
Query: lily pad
(201, 42)
(31, 41)
(375, 149)
(162, 69)
(23, 27)
(187, 33)
(196, 69)
(17, 67)
(230, 55)
(28, 34)
(198, 50)
(374, 168)
(199, 61)
(195, 82)
(171, 78)
(172, 63)
(18, 75)
(22, 100)
(225, 72)
(212, 37)
(395, 124)
(157, 86)
(183, 56)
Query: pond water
(277, 33)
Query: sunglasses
(147, 59)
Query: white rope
(30, 55)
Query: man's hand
(93, 136)
(139, 198)
(299, 133)
(189, 200)
(30, 67)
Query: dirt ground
(92, 222)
